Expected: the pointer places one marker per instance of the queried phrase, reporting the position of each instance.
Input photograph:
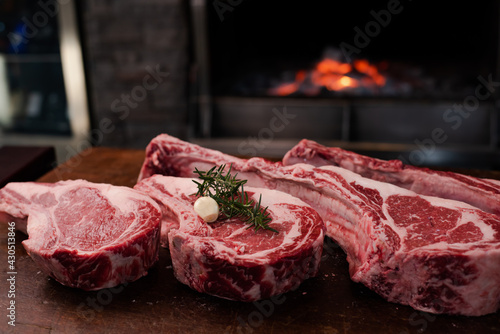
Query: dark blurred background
(414, 80)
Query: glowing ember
(363, 66)
(286, 89)
(333, 75)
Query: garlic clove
(207, 208)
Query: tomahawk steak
(228, 259)
(436, 255)
(85, 235)
(482, 193)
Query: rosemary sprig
(231, 197)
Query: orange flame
(334, 76)
(333, 66)
(363, 66)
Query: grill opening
(384, 77)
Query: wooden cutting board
(158, 303)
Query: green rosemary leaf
(228, 191)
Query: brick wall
(137, 57)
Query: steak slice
(436, 255)
(481, 193)
(228, 259)
(85, 235)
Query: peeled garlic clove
(207, 208)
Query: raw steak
(481, 193)
(230, 260)
(85, 235)
(436, 255)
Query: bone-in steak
(85, 235)
(228, 259)
(482, 193)
(434, 254)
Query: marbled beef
(85, 235)
(228, 258)
(436, 255)
(479, 192)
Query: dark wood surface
(158, 303)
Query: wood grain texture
(158, 303)
(100, 164)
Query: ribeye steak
(436, 255)
(227, 258)
(482, 193)
(85, 235)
